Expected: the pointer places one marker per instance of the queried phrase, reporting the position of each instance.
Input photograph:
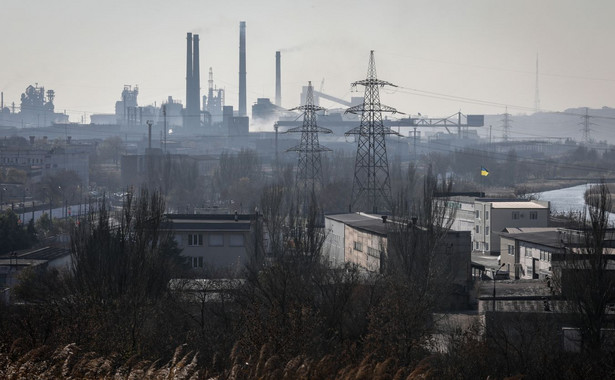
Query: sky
(445, 56)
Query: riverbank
(532, 187)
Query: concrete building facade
(494, 215)
(214, 242)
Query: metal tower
(371, 187)
(506, 125)
(585, 126)
(536, 94)
(309, 174)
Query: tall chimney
(189, 58)
(242, 68)
(196, 83)
(278, 80)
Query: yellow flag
(483, 171)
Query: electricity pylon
(371, 187)
(586, 130)
(309, 175)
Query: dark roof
(46, 253)
(372, 225)
(210, 222)
(550, 238)
(369, 223)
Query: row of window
(518, 215)
(486, 230)
(197, 262)
(544, 256)
(477, 245)
(216, 240)
(358, 246)
(486, 214)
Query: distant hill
(565, 124)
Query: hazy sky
(475, 56)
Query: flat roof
(550, 238)
(210, 222)
(362, 221)
(210, 225)
(44, 254)
(519, 205)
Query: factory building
(36, 110)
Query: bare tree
(586, 277)
(417, 273)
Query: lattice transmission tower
(506, 125)
(536, 94)
(585, 124)
(371, 187)
(309, 175)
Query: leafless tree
(585, 275)
(417, 271)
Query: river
(568, 199)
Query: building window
(515, 215)
(373, 252)
(533, 215)
(486, 246)
(478, 213)
(197, 262)
(236, 240)
(487, 230)
(195, 239)
(216, 240)
(476, 245)
(478, 229)
(358, 246)
(486, 215)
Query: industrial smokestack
(188, 72)
(242, 68)
(196, 82)
(278, 80)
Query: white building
(494, 215)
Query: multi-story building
(356, 238)
(214, 242)
(364, 240)
(493, 215)
(526, 253)
(538, 253)
(39, 160)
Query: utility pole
(371, 188)
(414, 142)
(309, 174)
(164, 115)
